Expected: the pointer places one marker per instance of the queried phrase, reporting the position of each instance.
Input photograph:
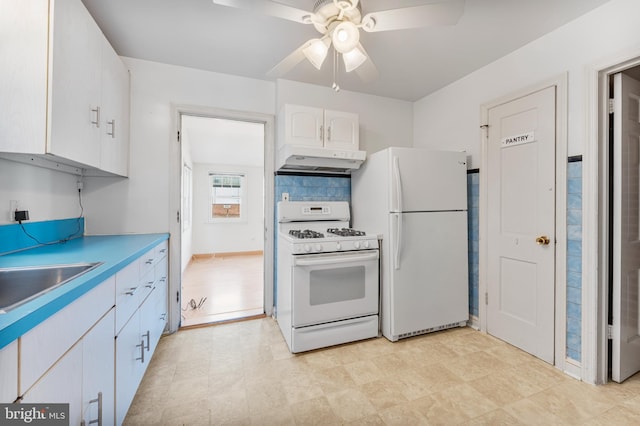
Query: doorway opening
(223, 221)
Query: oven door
(334, 286)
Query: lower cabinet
(9, 373)
(93, 353)
(137, 339)
(83, 378)
(98, 371)
(62, 383)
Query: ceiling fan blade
(287, 64)
(435, 14)
(367, 71)
(271, 8)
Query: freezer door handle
(398, 183)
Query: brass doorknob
(542, 240)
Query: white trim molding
(176, 161)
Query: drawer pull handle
(131, 291)
(141, 346)
(163, 250)
(149, 261)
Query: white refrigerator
(416, 199)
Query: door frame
(175, 199)
(595, 200)
(560, 83)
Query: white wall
(46, 194)
(384, 122)
(216, 237)
(140, 204)
(450, 117)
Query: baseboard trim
(228, 254)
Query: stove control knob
(318, 247)
(307, 248)
(338, 246)
(366, 244)
(357, 244)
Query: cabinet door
(115, 113)
(23, 75)
(9, 373)
(75, 84)
(98, 375)
(303, 125)
(130, 359)
(341, 130)
(62, 384)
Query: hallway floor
(242, 373)
(222, 287)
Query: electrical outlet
(285, 196)
(13, 206)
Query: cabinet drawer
(46, 343)
(147, 283)
(127, 293)
(161, 251)
(146, 262)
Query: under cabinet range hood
(317, 159)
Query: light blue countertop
(115, 251)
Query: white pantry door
(521, 222)
(626, 239)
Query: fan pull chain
(335, 85)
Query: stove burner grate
(346, 232)
(307, 233)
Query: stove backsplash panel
(313, 188)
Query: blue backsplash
(313, 188)
(473, 223)
(14, 238)
(574, 259)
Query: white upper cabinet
(64, 92)
(318, 127)
(76, 86)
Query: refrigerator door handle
(398, 182)
(398, 240)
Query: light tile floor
(229, 286)
(243, 374)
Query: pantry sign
(518, 139)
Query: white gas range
(327, 276)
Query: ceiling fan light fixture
(353, 59)
(316, 51)
(345, 37)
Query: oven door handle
(335, 259)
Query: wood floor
(242, 373)
(222, 287)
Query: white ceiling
(411, 63)
(227, 142)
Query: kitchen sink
(20, 285)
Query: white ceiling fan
(339, 22)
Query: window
(227, 193)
